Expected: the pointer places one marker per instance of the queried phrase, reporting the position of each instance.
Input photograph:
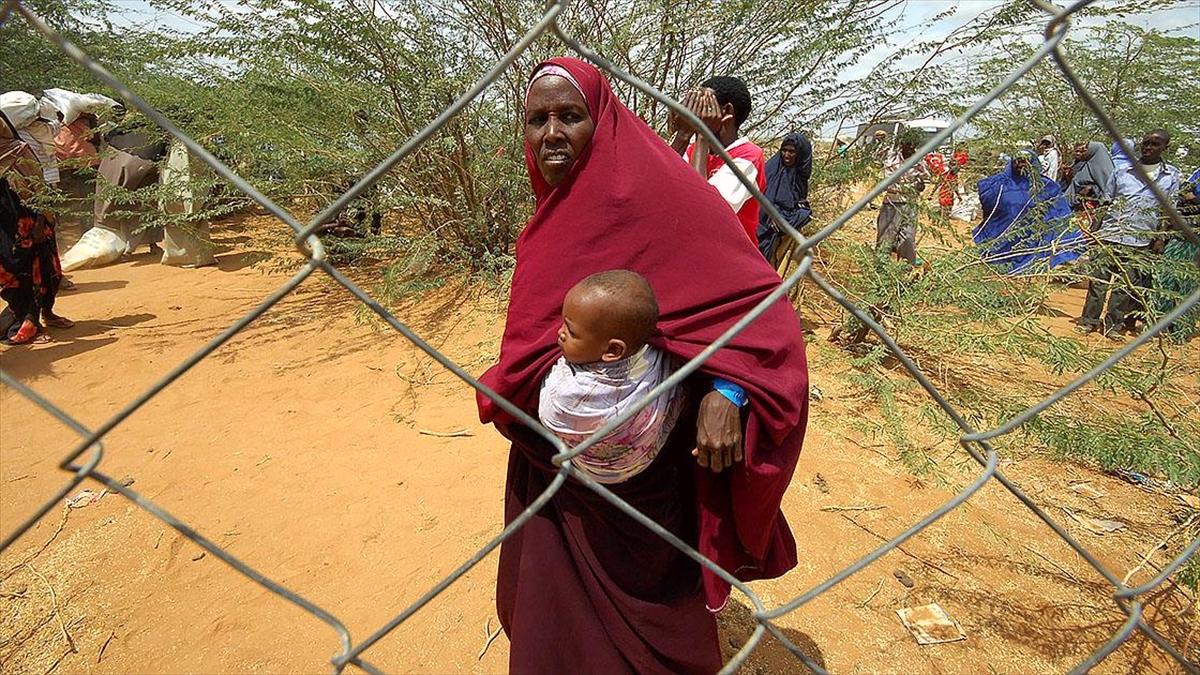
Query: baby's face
(581, 335)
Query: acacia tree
(1142, 77)
(305, 96)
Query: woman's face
(1020, 166)
(558, 126)
(788, 154)
(1081, 152)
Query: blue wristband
(731, 391)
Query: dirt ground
(299, 447)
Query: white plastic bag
(72, 105)
(98, 246)
(967, 208)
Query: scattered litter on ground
(815, 393)
(930, 624)
(1145, 482)
(904, 579)
(1097, 526)
(199, 556)
(459, 433)
(85, 497)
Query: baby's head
(607, 317)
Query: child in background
(606, 368)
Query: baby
(606, 368)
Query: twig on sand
(54, 666)
(867, 507)
(57, 531)
(445, 434)
(871, 597)
(900, 548)
(62, 627)
(1159, 545)
(111, 635)
(1060, 568)
(103, 647)
(491, 637)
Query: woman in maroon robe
(581, 586)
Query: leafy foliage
(304, 97)
(1137, 74)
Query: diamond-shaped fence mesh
(82, 465)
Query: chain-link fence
(977, 443)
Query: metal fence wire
(977, 443)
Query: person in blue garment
(788, 173)
(1026, 224)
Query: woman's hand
(718, 433)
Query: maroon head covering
(630, 202)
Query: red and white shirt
(749, 159)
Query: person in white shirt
(1126, 232)
(1049, 157)
(723, 103)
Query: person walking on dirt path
(581, 584)
(896, 225)
(723, 104)
(1121, 267)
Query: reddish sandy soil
(297, 447)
